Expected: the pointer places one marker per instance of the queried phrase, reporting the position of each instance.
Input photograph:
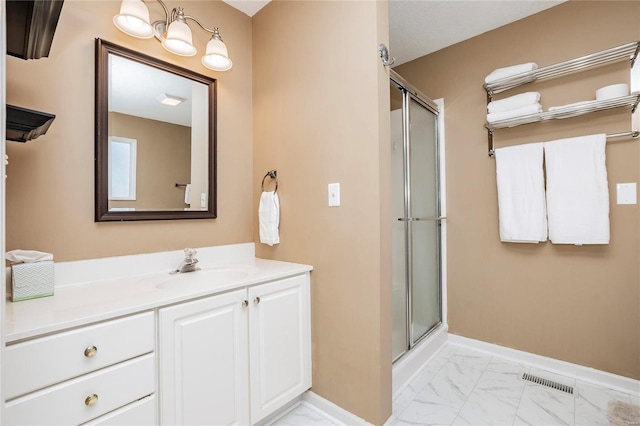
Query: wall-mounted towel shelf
(629, 51)
(568, 112)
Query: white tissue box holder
(31, 280)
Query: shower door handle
(417, 219)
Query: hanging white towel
(577, 190)
(518, 112)
(187, 194)
(510, 71)
(521, 201)
(269, 218)
(513, 102)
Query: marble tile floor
(464, 387)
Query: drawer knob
(245, 303)
(90, 351)
(257, 300)
(91, 400)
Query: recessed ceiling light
(170, 99)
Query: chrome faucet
(189, 262)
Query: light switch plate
(334, 194)
(627, 193)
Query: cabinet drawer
(140, 413)
(42, 362)
(67, 403)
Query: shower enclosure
(416, 212)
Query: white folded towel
(269, 218)
(577, 190)
(28, 256)
(513, 102)
(518, 112)
(187, 194)
(510, 71)
(521, 201)
(575, 104)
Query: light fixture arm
(160, 26)
(167, 19)
(213, 31)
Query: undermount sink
(208, 276)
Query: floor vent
(547, 383)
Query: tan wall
(50, 188)
(321, 100)
(579, 304)
(163, 159)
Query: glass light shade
(217, 58)
(179, 40)
(134, 19)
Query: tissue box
(31, 280)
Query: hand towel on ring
(269, 218)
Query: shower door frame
(411, 93)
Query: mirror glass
(155, 138)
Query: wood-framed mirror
(155, 138)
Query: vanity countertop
(85, 303)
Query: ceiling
(250, 7)
(134, 89)
(420, 27)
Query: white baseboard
(339, 415)
(405, 369)
(587, 374)
(279, 413)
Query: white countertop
(89, 302)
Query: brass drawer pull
(91, 400)
(256, 300)
(90, 351)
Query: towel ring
(273, 174)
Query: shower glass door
(416, 212)
(400, 298)
(423, 208)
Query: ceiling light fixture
(173, 32)
(170, 100)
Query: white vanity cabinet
(77, 376)
(203, 361)
(141, 347)
(236, 357)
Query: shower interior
(416, 213)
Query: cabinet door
(280, 350)
(203, 362)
